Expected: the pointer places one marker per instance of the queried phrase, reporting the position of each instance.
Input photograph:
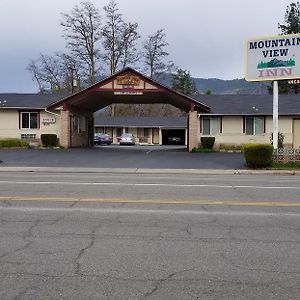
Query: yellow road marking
(159, 201)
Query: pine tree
(183, 83)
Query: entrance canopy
(130, 87)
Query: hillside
(219, 86)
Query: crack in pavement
(91, 243)
(160, 282)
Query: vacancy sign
(273, 58)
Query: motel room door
(296, 137)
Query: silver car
(127, 139)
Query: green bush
(202, 150)
(49, 140)
(8, 143)
(230, 147)
(258, 155)
(207, 142)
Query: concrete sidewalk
(148, 171)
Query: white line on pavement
(146, 211)
(150, 184)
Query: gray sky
(205, 37)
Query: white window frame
(29, 114)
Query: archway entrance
(129, 87)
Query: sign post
(272, 59)
(275, 114)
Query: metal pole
(275, 114)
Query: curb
(148, 171)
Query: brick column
(65, 129)
(193, 130)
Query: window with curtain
(211, 125)
(254, 125)
(29, 120)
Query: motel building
(232, 119)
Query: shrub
(8, 143)
(49, 140)
(258, 155)
(230, 147)
(207, 142)
(202, 150)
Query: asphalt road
(155, 236)
(115, 156)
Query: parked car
(174, 139)
(102, 138)
(127, 139)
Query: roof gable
(128, 86)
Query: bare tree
(119, 39)
(55, 74)
(82, 31)
(33, 68)
(155, 53)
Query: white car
(127, 139)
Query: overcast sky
(205, 37)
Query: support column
(65, 129)
(275, 114)
(193, 130)
(159, 136)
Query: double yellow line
(151, 201)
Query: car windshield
(127, 135)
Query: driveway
(115, 156)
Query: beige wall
(296, 129)
(9, 124)
(232, 132)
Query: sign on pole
(273, 58)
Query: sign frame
(273, 58)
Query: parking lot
(115, 156)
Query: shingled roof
(31, 101)
(219, 104)
(251, 104)
(170, 122)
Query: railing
(286, 155)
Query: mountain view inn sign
(273, 58)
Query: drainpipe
(52, 113)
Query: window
(211, 126)
(119, 131)
(254, 125)
(79, 124)
(29, 120)
(146, 132)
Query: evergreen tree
(291, 19)
(291, 26)
(182, 82)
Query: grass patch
(285, 166)
(203, 150)
(9, 143)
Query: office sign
(273, 58)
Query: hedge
(207, 142)
(8, 143)
(258, 155)
(49, 140)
